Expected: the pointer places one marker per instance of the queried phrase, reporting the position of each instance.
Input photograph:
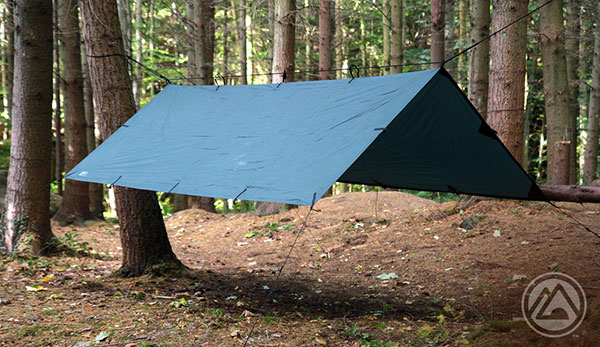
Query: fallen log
(571, 193)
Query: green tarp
(289, 143)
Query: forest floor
(411, 272)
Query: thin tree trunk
(284, 38)
(462, 75)
(507, 75)
(387, 24)
(59, 166)
(338, 39)
(325, 39)
(532, 76)
(437, 31)
(28, 184)
(143, 235)
(591, 147)
(138, 75)
(480, 55)
(96, 190)
(556, 94)
(572, 39)
(271, 13)
(450, 37)
(396, 39)
(10, 55)
(125, 21)
(75, 206)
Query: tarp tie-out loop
(283, 78)
(380, 129)
(353, 66)
(170, 190)
(240, 194)
(287, 258)
(216, 79)
(113, 184)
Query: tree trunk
(138, 76)
(437, 32)
(75, 206)
(96, 190)
(271, 13)
(386, 17)
(572, 40)
(10, 54)
(325, 39)
(242, 42)
(461, 68)
(560, 170)
(204, 46)
(480, 55)
(591, 147)
(143, 235)
(28, 184)
(507, 75)
(571, 193)
(450, 37)
(124, 8)
(284, 38)
(558, 125)
(59, 166)
(396, 39)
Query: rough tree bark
(572, 40)
(558, 125)
(284, 38)
(507, 75)
(242, 42)
(28, 185)
(143, 235)
(75, 206)
(591, 147)
(96, 190)
(571, 193)
(480, 55)
(396, 51)
(325, 39)
(437, 31)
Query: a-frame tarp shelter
(289, 143)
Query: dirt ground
(369, 269)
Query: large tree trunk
(96, 190)
(437, 31)
(28, 184)
(507, 75)
(325, 39)
(572, 39)
(396, 53)
(284, 38)
(143, 235)
(556, 94)
(480, 55)
(75, 206)
(591, 147)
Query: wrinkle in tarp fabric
(290, 143)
